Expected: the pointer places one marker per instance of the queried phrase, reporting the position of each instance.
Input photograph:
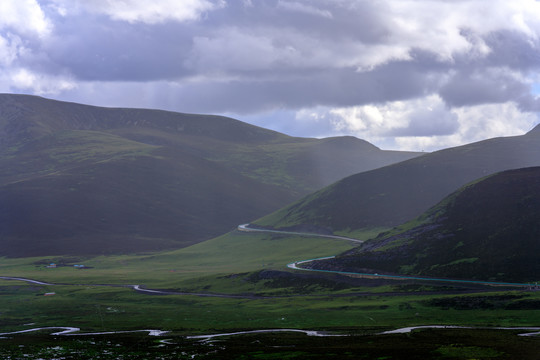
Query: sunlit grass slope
(232, 253)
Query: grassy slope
(397, 193)
(487, 230)
(236, 252)
(301, 164)
(133, 201)
(79, 179)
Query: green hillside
(394, 194)
(80, 179)
(487, 230)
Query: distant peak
(350, 141)
(535, 130)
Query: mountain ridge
(79, 178)
(391, 195)
(486, 230)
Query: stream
(74, 331)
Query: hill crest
(394, 194)
(487, 230)
(78, 178)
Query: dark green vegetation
(252, 266)
(113, 309)
(487, 230)
(432, 344)
(394, 194)
(80, 179)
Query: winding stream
(74, 331)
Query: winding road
(296, 264)
(139, 289)
(247, 228)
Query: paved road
(247, 228)
(296, 264)
(24, 279)
(140, 289)
(293, 265)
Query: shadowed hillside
(85, 179)
(393, 194)
(487, 230)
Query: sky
(402, 74)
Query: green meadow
(232, 253)
(252, 266)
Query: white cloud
(144, 11)
(273, 50)
(24, 17)
(39, 84)
(449, 28)
(421, 124)
(22, 25)
(11, 47)
(476, 123)
(393, 119)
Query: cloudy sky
(402, 74)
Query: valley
(113, 221)
(262, 295)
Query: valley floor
(256, 292)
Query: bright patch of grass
(232, 253)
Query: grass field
(251, 265)
(102, 308)
(232, 253)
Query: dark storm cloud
(360, 20)
(337, 87)
(499, 77)
(511, 49)
(481, 87)
(249, 56)
(93, 47)
(118, 51)
(428, 122)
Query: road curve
(140, 289)
(247, 228)
(295, 265)
(24, 279)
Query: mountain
(487, 230)
(80, 179)
(391, 195)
